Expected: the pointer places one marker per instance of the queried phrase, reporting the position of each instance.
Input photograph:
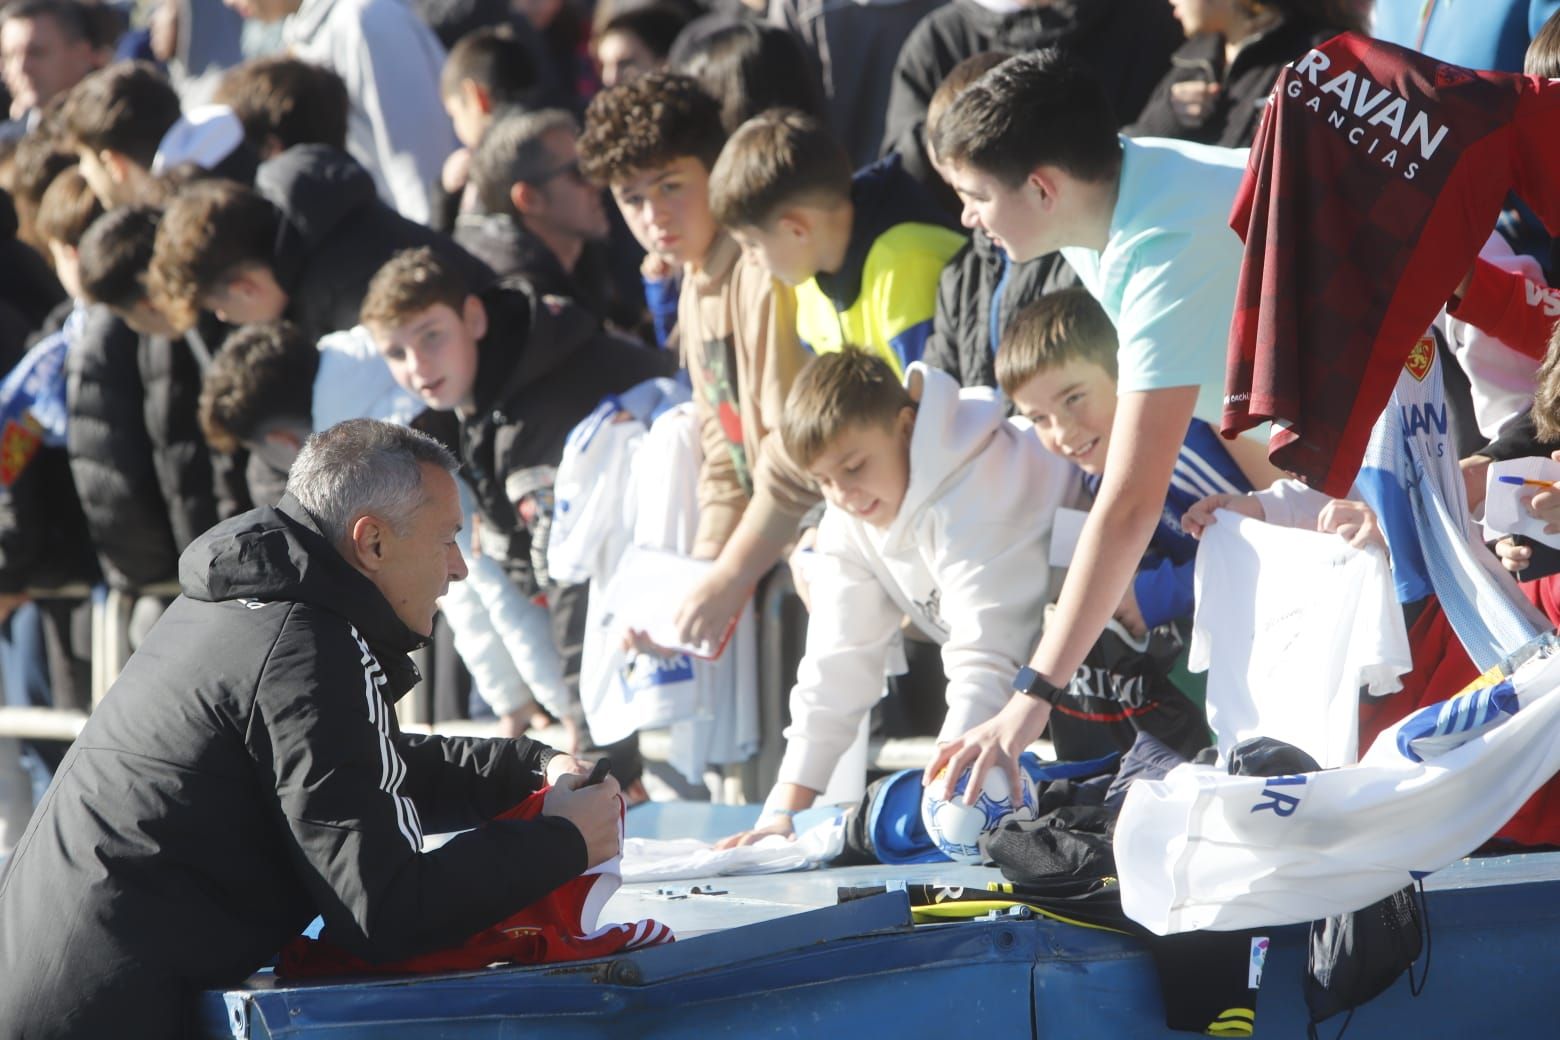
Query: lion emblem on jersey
(1421, 358)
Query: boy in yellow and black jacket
(864, 251)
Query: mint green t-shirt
(1168, 272)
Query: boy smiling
(938, 508)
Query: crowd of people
(304, 303)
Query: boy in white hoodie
(937, 508)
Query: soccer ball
(956, 828)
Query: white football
(957, 828)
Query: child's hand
(1200, 516)
(1513, 555)
(710, 610)
(1354, 521)
(777, 825)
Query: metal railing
(110, 649)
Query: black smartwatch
(1032, 684)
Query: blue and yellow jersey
(883, 296)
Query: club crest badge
(1421, 358)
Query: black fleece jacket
(1230, 117)
(337, 235)
(244, 774)
(544, 364)
(1126, 43)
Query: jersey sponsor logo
(1421, 359)
(1375, 119)
(1423, 418)
(1542, 296)
(1277, 799)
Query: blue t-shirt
(1168, 272)
(1165, 579)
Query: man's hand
(710, 609)
(594, 811)
(1200, 516)
(777, 825)
(1354, 521)
(996, 742)
(565, 765)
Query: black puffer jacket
(171, 377)
(1127, 43)
(964, 339)
(244, 774)
(337, 235)
(1230, 118)
(111, 455)
(543, 366)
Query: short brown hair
(409, 283)
(292, 101)
(836, 391)
(1066, 325)
(126, 107)
(115, 254)
(210, 230)
(646, 124)
(961, 76)
(67, 209)
(778, 158)
(40, 156)
(264, 371)
(496, 59)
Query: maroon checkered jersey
(1376, 175)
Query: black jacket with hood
(337, 235)
(1126, 43)
(244, 774)
(544, 365)
(964, 336)
(1231, 115)
(112, 458)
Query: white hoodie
(966, 558)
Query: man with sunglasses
(539, 219)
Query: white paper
(1065, 529)
(1503, 510)
(645, 592)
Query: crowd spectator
(390, 62)
(637, 41)
(46, 48)
(281, 101)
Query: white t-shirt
(1290, 624)
(1203, 849)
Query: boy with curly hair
(653, 142)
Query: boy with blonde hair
(864, 252)
(937, 508)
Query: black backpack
(1354, 957)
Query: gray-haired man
(246, 771)
(537, 217)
